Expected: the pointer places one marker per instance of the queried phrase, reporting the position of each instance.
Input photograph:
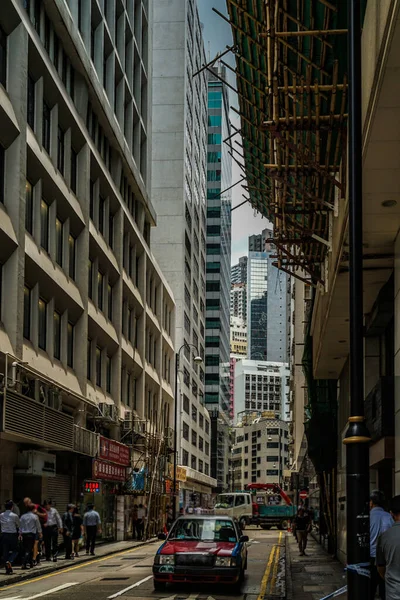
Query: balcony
(85, 441)
(379, 409)
(169, 437)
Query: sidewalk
(314, 576)
(45, 567)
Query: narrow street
(128, 574)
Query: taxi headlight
(167, 559)
(223, 561)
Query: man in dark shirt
(302, 526)
(388, 554)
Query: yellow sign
(180, 473)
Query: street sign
(303, 494)
(92, 487)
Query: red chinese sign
(104, 470)
(114, 452)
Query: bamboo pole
(305, 33)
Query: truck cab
(237, 505)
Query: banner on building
(104, 470)
(114, 452)
(180, 473)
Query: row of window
(200, 466)
(268, 472)
(202, 422)
(102, 373)
(268, 445)
(200, 444)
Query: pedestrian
(42, 515)
(169, 517)
(30, 530)
(134, 521)
(302, 528)
(380, 521)
(9, 526)
(388, 554)
(68, 528)
(92, 526)
(141, 521)
(77, 532)
(51, 530)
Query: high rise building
(238, 300)
(238, 338)
(87, 317)
(219, 178)
(179, 191)
(267, 309)
(239, 271)
(258, 242)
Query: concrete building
(238, 337)
(260, 450)
(218, 240)
(179, 191)
(258, 242)
(238, 301)
(261, 386)
(87, 318)
(239, 271)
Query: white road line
(130, 587)
(64, 586)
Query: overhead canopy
(291, 62)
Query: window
(28, 207)
(27, 313)
(194, 438)
(60, 150)
(3, 57)
(98, 366)
(207, 427)
(200, 466)
(102, 205)
(70, 345)
(193, 462)
(31, 103)
(71, 251)
(272, 444)
(206, 469)
(42, 324)
(100, 284)
(44, 225)
(57, 334)
(201, 421)
(46, 33)
(46, 127)
(111, 230)
(185, 458)
(185, 403)
(89, 359)
(108, 374)
(59, 242)
(185, 431)
(90, 282)
(109, 301)
(201, 443)
(91, 207)
(207, 448)
(74, 170)
(194, 413)
(2, 172)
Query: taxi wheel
(159, 585)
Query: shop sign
(114, 452)
(180, 473)
(104, 470)
(169, 487)
(91, 487)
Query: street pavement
(128, 575)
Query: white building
(238, 301)
(261, 386)
(260, 450)
(179, 188)
(238, 337)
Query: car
(202, 549)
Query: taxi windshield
(225, 501)
(214, 530)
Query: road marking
(52, 591)
(68, 569)
(130, 587)
(276, 565)
(265, 578)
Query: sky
(217, 35)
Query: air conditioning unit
(30, 462)
(54, 399)
(128, 421)
(113, 413)
(104, 410)
(139, 427)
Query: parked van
(237, 505)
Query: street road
(128, 575)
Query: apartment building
(238, 337)
(239, 271)
(258, 242)
(87, 318)
(260, 450)
(261, 386)
(238, 301)
(179, 193)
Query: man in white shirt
(9, 526)
(51, 530)
(29, 528)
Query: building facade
(218, 240)
(260, 450)
(261, 386)
(239, 271)
(258, 242)
(238, 301)
(238, 338)
(179, 192)
(87, 318)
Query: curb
(288, 571)
(33, 574)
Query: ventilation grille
(31, 419)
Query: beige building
(238, 338)
(87, 318)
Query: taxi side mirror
(162, 536)
(244, 538)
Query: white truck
(237, 505)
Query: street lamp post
(357, 435)
(197, 359)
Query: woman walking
(77, 531)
